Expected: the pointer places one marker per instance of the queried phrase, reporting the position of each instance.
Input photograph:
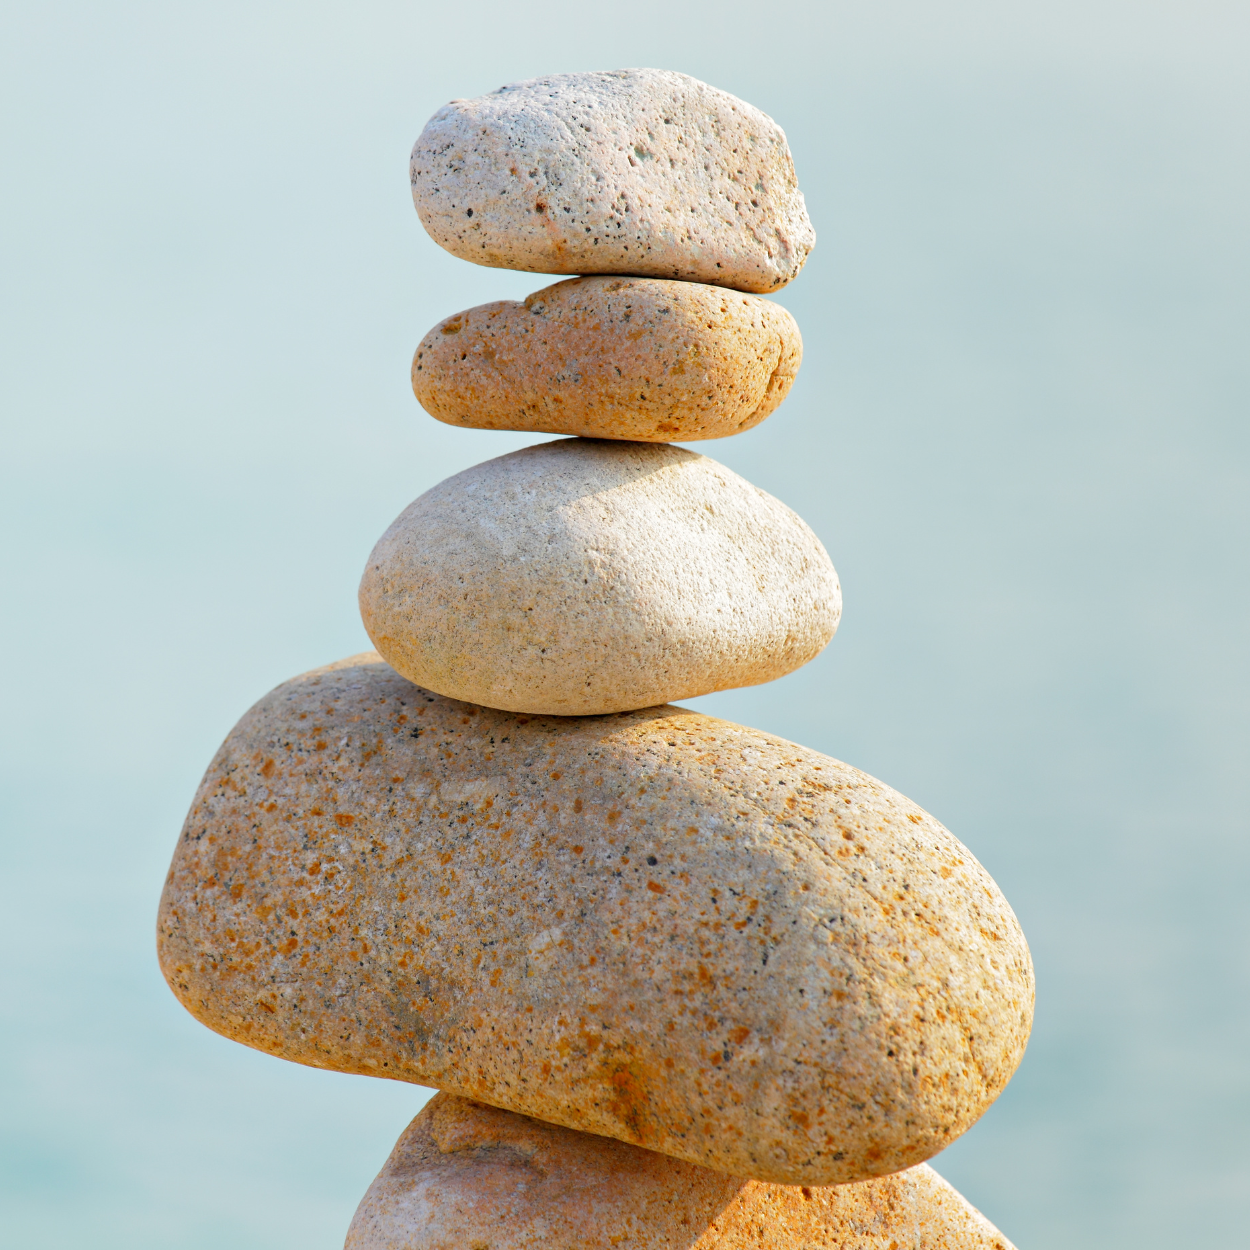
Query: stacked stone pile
(683, 984)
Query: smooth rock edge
(587, 576)
(467, 1175)
(636, 171)
(659, 926)
(641, 359)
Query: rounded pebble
(587, 576)
(635, 171)
(658, 926)
(625, 358)
(468, 1175)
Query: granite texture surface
(636, 171)
(609, 357)
(657, 926)
(586, 576)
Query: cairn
(682, 983)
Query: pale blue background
(1020, 430)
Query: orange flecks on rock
(825, 1019)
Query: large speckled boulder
(636, 171)
(465, 1175)
(657, 926)
(580, 577)
(629, 358)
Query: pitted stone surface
(587, 576)
(656, 926)
(466, 1175)
(624, 358)
(635, 171)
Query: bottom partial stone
(470, 1177)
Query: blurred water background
(1020, 430)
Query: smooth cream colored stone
(657, 926)
(636, 171)
(466, 1175)
(627, 358)
(585, 576)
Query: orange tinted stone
(627, 358)
(466, 1175)
(827, 986)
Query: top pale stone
(634, 171)
(464, 1174)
